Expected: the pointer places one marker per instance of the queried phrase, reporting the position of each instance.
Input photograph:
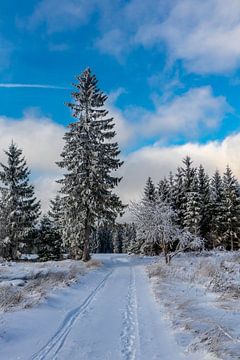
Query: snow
(29, 257)
(200, 296)
(23, 284)
(110, 313)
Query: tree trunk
(86, 254)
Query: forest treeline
(186, 210)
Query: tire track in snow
(130, 335)
(54, 345)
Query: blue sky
(171, 70)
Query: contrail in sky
(37, 86)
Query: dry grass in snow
(201, 295)
(24, 284)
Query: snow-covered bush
(156, 225)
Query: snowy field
(24, 284)
(200, 295)
(110, 313)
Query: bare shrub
(157, 270)
(206, 269)
(10, 297)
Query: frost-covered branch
(156, 225)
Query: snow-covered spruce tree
(49, 242)
(163, 190)
(118, 236)
(188, 173)
(19, 208)
(89, 157)
(134, 245)
(204, 203)
(231, 210)
(5, 244)
(121, 238)
(192, 213)
(55, 215)
(55, 212)
(188, 177)
(126, 238)
(171, 190)
(102, 239)
(217, 210)
(178, 197)
(149, 191)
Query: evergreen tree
(205, 204)
(49, 240)
(55, 213)
(178, 196)
(188, 173)
(103, 239)
(19, 208)
(89, 156)
(125, 238)
(217, 210)
(183, 186)
(231, 210)
(134, 243)
(163, 190)
(149, 191)
(171, 184)
(192, 215)
(118, 239)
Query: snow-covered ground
(200, 295)
(24, 284)
(108, 314)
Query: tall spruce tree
(134, 244)
(49, 242)
(102, 239)
(55, 217)
(89, 157)
(118, 237)
(163, 190)
(149, 191)
(188, 176)
(204, 203)
(192, 214)
(55, 214)
(178, 196)
(231, 210)
(217, 210)
(19, 207)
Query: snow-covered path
(109, 315)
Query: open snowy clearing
(200, 295)
(109, 314)
(24, 284)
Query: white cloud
(59, 16)
(39, 136)
(157, 162)
(125, 131)
(46, 189)
(187, 116)
(204, 34)
(190, 114)
(41, 141)
(114, 42)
